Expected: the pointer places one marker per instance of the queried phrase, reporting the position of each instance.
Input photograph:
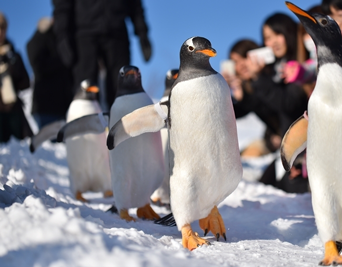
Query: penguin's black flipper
(167, 220)
(294, 142)
(112, 209)
(93, 123)
(48, 132)
(147, 119)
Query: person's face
(275, 41)
(240, 66)
(336, 14)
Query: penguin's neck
(85, 95)
(188, 72)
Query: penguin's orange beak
(209, 52)
(299, 12)
(130, 72)
(92, 89)
(175, 76)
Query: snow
(43, 225)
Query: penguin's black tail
(167, 220)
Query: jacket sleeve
(136, 14)
(18, 73)
(42, 60)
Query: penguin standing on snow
(161, 196)
(204, 153)
(87, 156)
(321, 133)
(137, 166)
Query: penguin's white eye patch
(323, 21)
(122, 73)
(191, 48)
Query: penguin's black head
(196, 51)
(170, 78)
(129, 81)
(88, 90)
(324, 31)
(194, 59)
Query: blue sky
(223, 22)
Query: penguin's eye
(323, 21)
(122, 73)
(191, 48)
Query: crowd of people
(85, 36)
(278, 93)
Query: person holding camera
(13, 77)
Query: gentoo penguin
(323, 127)
(87, 156)
(137, 165)
(161, 196)
(204, 154)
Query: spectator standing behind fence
(13, 78)
(52, 90)
(91, 30)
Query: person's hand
(235, 85)
(254, 65)
(146, 47)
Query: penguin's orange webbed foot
(125, 216)
(79, 197)
(331, 255)
(213, 223)
(108, 193)
(147, 213)
(190, 239)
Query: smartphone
(228, 66)
(264, 53)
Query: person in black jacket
(13, 77)
(52, 91)
(89, 31)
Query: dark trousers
(91, 50)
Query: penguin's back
(203, 136)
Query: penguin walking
(320, 133)
(137, 166)
(87, 156)
(204, 153)
(161, 196)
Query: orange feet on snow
(147, 213)
(190, 239)
(79, 197)
(213, 223)
(125, 216)
(331, 255)
(108, 193)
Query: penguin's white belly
(137, 164)
(204, 147)
(87, 155)
(324, 143)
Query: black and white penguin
(87, 156)
(137, 165)
(321, 133)
(204, 154)
(161, 196)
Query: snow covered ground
(42, 225)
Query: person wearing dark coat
(13, 78)
(93, 31)
(52, 90)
